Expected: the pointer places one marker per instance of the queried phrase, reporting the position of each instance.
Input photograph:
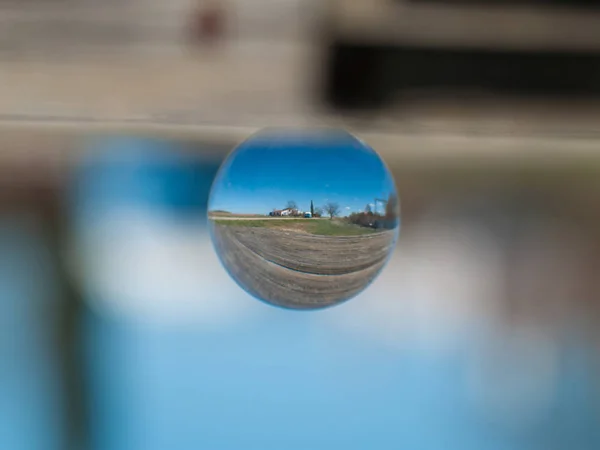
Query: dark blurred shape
(355, 76)
(360, 75)
(208, 24)
(375, 55)
(35, 331)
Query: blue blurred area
(142, 172)
(276, 379)
(275, 385)
(32, 401)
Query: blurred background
(119, 329)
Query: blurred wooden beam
(62, 141)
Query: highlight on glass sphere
(304, 219)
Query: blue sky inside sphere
(266, 172)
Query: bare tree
(368, 209)
(333, 209)
(318, 211)
(292, 204)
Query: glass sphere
(303, 219)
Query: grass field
(321, 227)
(228, 214)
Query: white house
(291, 212)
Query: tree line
(387, 219)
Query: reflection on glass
(303, 220)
